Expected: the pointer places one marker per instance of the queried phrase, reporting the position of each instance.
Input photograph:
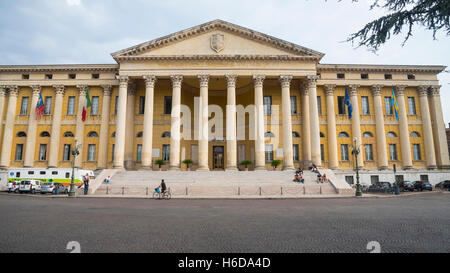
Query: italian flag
(86, 106)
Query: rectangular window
(66, 152)
(91, 152)
(369, 152)
(341, 105)
(319, 105)
(341, 76)
(392, 152)
(424, 177)
(141, 105)
(388, 76)
(374, 179)
(416, 150)
(96, 76)
(412, 105)
(296, 152)
(344, 152)
(269, 152)
(25, 76)
(48, 106)
(411, 77)
(24, 107)
(139, 153)
(94, 108)
(388, 106)
(43, 152)
(71, 106)
(116, 105)
(49, 76)
(112, 152)
(293, 105)
(19, 152)
(167, 105)
(322, 152)
(72, 76)
(364, 76)
(241, 153)
(365, 105)
(350, 180)
(267, 105)
(166, 153)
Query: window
(66, 152)
(140, 135)
(49, 76)
(93, 134)
(296, 152)
(116, 105)
(113, 135)
(364, 76)
(139, 153)
(341, 105)
(167, 105)
(30, 172)
(295, 134)
(344, 152)
(416, 150)
(43, 173)
(411, 77)
(269, 152)
(55, 173)
(388, 76)
(113, 151)
(194, 153)
(365, 105)
(166, 153)
(424, 177)
(388, 106)
(94, 108)
(68, 134)
(141, 105)
(322, 135)
(415, 134)
(374, 179)
(19, 152)
(392, 152)
(367, 135)
(96, 76)
(21, 134)
(341, 76)
(369, 152)
(45, 134)
(72, 76)
(322, 152)
(293, 105)
(48, 106)
(25, 76)
(17, 174)
(412, 105)
(319, 105)
(350, 180)
(43, 152)
(391, 134)
(166, 135)
(67, 175)
(24, 107)
(91, 152)
(71, 106)
(269, 135)
(343, 135)
(267, 105)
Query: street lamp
(75, 153)
(355, 151)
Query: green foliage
(188, 162)
(160, 162)
(246, 163)
(276, 163)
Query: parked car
(423, 185)
(31, 186)
(443, 185)
(407, 186)
(15, 187)
(385, 187)
(54, 188)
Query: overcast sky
(88, 31)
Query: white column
(306, 127)
(383, 163)
(440, 138)
(404, 128)
(333, 162)
(30, 145)
(288, 163)
(56, 127)
(147, 144)
(130, 135)
(2, 106)
(175, 135)
(104, 128)
(79, 131)
(203, 142)
(427, 128)
(260, 157)
(315, 125)
(9, 127)
(356, 122)
(119, 152)
(231, 123)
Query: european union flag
(348, 103)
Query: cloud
(73, 2)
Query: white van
(57, 175)
(31, 186)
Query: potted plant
(275, 164)
(160, 162)
(246, 163)
(188, 163)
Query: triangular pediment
(217, 39)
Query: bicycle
(167, 195)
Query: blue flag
(394, 104)
(348, 103)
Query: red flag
(40, 107)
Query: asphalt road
(419, 223)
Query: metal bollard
(146, 193)
(320, 190)
(186, 191)
(304, 190)
(239, 190)
(281, 191)
(260, 191)
(123, 190)
(107, 190)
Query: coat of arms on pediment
(217, 42)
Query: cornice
(217, 57)
(380, 68)
(60, 68)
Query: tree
(432, 14)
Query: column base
(407, 168)
(432, 167)
(288, 168)
(118, 168)
(306, 164)
(232, 169)
(174, 168)
(444, 167)
(202, 169)
(146, 168)
(383, 168)
(260, 168)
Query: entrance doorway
(218, 158)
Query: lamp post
(75, 153)
(355, 151)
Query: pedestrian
(86, 183)
(10, 185)
(108, 179)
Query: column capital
(150, 81)
(107, 90)
(353, 89)
(329, 89)
(311, 81)
(400, 90)
(123, 80)
(231, 80)
(177, 80)
(376, 89)
(259, 80)
(36, 89)
(423, 90)
(60, 89)
(2, 90)
(204, 80)
(13, 90)
(286, 81)
(435, 90)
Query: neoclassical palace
(299, 114)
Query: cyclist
(162, 188)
